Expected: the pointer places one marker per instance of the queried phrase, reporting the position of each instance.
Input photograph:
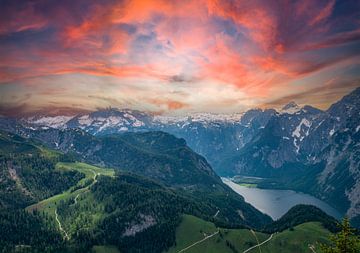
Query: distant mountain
(217, 139)
(290, 108)
(275, 146)
(310, 150)
(212, 135)
(108, 120)
(153, 154)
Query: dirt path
(258, 245)
(87, 187)
(75, 199)
(195, 243)
(66, 236)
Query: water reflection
(276, 203)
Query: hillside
(28, 173)
(161, 157)
(300, 214)
(193, 230)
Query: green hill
(300, 214)
(192, 230)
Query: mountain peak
(290, 105)
(290, 108)
(347, 106)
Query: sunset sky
(176, 57)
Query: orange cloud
(260, 23)
(168, 103)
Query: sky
(176, 57)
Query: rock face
(146, 222)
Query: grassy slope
(191, 230)
(297, 240)
(49, 205)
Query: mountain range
(301, 148)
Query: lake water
(276, 203)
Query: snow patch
(85, 120)
(54, 122)
(296, 132)
(291, 108)
(199, 117)
(332, 131)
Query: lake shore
(275, 202)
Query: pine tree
(343, 242)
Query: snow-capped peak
(290, 105)
(50, 121)
(290, 108)
(199, 117)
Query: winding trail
(195, 243)
(66, 236)
(257, 239)
(75, 199)
(258, 245)
(312, 248)
(85, 189)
